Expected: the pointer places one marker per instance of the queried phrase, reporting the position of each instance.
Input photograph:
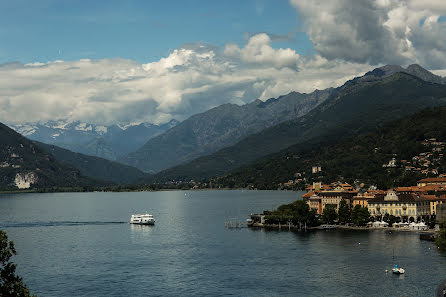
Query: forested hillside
(359, 106)
(394, 155)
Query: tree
(329, 214)
(440, 240)
(360, 215)
(344, 212)
(10, 283)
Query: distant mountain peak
(413, 69)
(93, 139)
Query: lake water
(79, 244)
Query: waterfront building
(434, 201)
(441, 213)
(319, 195)
(315, 203)
(432, 181)
(363, 198)
(257, 219)
(408, 207)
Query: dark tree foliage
(329, 214)
(391, 219)
(296, 213)
(360, 215)
(10, 283)
(352, 158)
(440, 240)
(344, 212)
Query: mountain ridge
(24, 165)
(393, 96)
(362, 158)
(108, 142)
(94, 167)
(219, 127)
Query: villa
(408, 207)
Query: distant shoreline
(341, 227)
(80, 190)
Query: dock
(235, 223)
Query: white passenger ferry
(142, 219)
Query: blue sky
(144, 31)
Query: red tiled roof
(433, 180)
(308, 194)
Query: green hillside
(357, 159)
(25, 165)
(359, 106)
(95, 167)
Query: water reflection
(140, 233)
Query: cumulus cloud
(377, 31)
(191, 79)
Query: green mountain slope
(95, 167)
(359, 158)
(25, 165)
(358, 106)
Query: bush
(10, 283)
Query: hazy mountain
(108, 142)
(95, 167)
(359, 105)
(24, 165)
(220, 127)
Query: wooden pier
(235, 223)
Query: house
(335, 196)
(432, 181)
(408, 207)
(362, 199)
(434, 201)
(320, 195)
(315, 203)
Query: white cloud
(191, 79)
(259, 51)
(377, 31)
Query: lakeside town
(420, 207)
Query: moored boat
(397, 270)
(142, 219)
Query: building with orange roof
(432, 181)
(308, 194)
(315, 203)
(434, 201)
(362, 199)
(409, 207)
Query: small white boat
(397, 270)
(142, 219)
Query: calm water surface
(78, 244)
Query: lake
(80, 244)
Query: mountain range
(24, 165)
(108, 142)
(219, 127)
(230, 136)
(95, 167)
(362, 104)
(414, 144)
(225, 125)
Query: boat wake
(54, 224)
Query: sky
(107, 62)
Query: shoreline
(73, 190)
(342, 227)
